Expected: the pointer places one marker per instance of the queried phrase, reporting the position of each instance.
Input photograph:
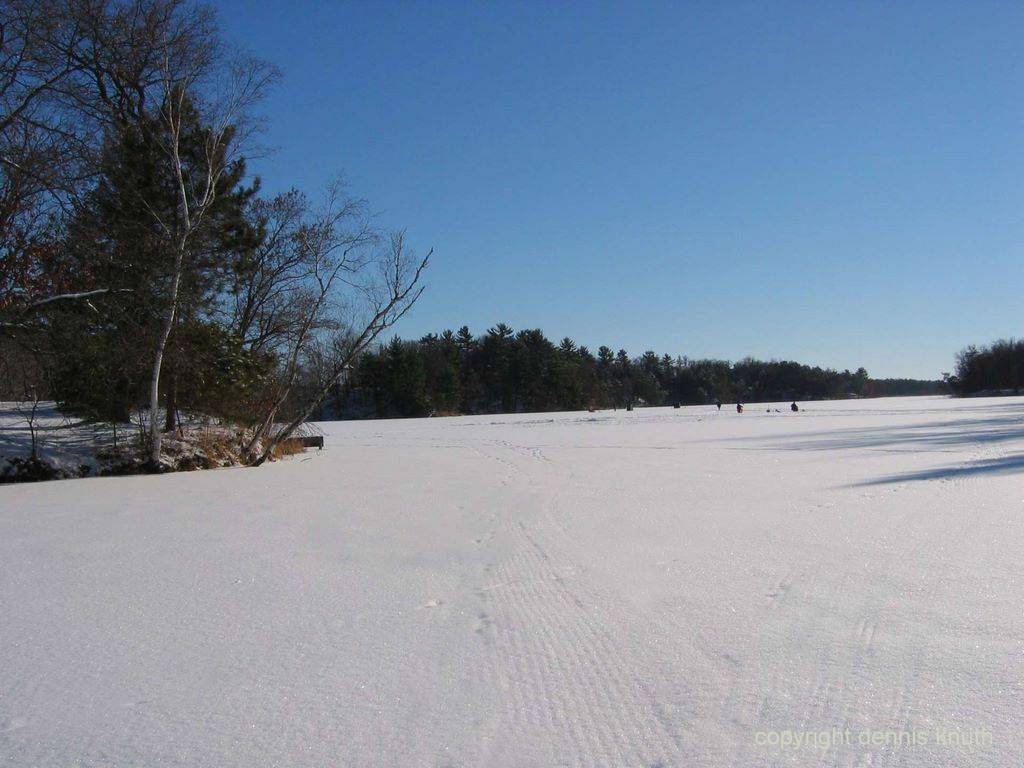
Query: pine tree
(116, 237)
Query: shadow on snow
(1006, 425)
(1003, 465)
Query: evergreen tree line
(143, 272)
(503, 371)
(905, 387)
(996, 368)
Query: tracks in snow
(570, 693)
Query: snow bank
(73, 448)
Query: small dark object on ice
(739, 407)
(794, 407)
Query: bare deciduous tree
(40, 150)
(311, 258)
(346, 290)
(263, 304)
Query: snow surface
(66, 443)
(656, 588)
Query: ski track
(567, 676)
(559, 667)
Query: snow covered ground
(66, 443)
(656, 588)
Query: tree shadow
(994, 425)
(1003, 465)
(926, 436)
(53, 431)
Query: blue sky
(836, 183)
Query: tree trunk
(293, 369)
(170, 418)
(298, 420)
(154, 383)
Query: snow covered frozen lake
(656, 588)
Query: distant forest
(503, 371)
(995, 369)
